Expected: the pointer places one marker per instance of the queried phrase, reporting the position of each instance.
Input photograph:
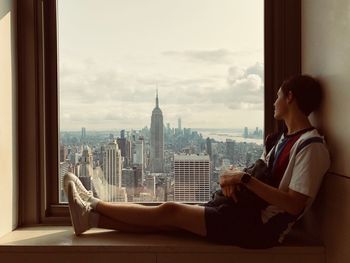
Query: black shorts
(234, 225)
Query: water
(221, 136)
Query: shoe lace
(86, 205)
(85, 195)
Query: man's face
(281, 106)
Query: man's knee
(169, 208)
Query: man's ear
(290, 97)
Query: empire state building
(157, 139)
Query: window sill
(59, 242)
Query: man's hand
(230, 177)
(229, 181)
(230, 191)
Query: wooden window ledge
(59, 244)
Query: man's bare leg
(83, 218)
(164, 216)
(108, 223)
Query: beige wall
(326, 55)
(8, 179)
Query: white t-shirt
(304, 173)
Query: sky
(204, 56)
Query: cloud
(93, 95)
(244, 91)
(257, 69)
(220, 56)
(216, 56)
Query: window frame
(38, 99)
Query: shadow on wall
(317, 117)
(333, 129)
(310, 222)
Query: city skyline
(117, 130)
(159, 163)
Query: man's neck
(297, 123)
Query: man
(300, 159)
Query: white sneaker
(70, 177)
(79, 210)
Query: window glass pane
(158, 96)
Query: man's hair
(306, 91)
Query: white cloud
(110, 98)
(207, 65)
(216, 56)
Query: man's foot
(79, 210)
(70, 177)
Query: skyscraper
(138, 152)
(157, 139)
(246, 133)
(192, 178)
(112, 166)
(208, 145)
(122, 134)
(138, 155)
(63, 152)
(83, 133)
(230, 149)
(63, 169)
(86, 168)
(86, 162)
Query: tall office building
(86, 162)
(63, 153)
(122, 134)
(208, 146)
(246, 132)
(192, 178)
(112, 167)
(138, 150)
(157, 139)
(138, 155)
(122, 143)
(230, 149)
(86, 167)
(137, 179)
(63, 169)
(179, 123)
(83, 133)
(150, 184)
(128, 181)
(122, 146)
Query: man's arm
(292, 202)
